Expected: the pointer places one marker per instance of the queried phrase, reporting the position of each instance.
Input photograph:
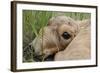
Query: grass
(33, 21)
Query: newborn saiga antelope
(55, 38)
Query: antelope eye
(66, 35)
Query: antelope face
(55, 37)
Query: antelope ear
(50, 22)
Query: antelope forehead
(65, 28)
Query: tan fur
(47, 42)
(51, 40)
(80, 47)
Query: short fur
(51, 40)
(80, 47)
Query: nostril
(31, 47)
